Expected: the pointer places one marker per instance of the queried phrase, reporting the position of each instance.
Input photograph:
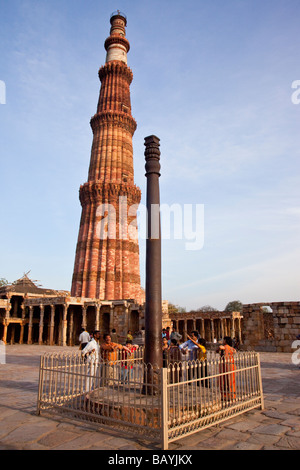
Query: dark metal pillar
(153, 312)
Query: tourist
(109, 354)
(91, 356)
(175, 364)
(114, 336)
(202, 358)
(227, 379)
(190, 347)
(236, 343)
(168, 333)
(84, 338)
(175, 335)
(165, 349)
(129, 336)
(127, 361)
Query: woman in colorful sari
(202, 360)
(227, 368)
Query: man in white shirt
(190, 347)
(91, 354)
(84, 338)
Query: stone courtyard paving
(277, 427)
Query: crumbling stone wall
(273, 329)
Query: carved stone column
(185, 329)
(29, 341)
(232, 332)
(64, 325)
(127, 321)
(218, 329)
(70, 339)
(212, 328)
(111, 317)
(41, 325)
(22, 324)
(222, 327)
(141, 318)
(97, 320)
(5, 328)
(202, 334)
(6, 323)
(83, 324)
(240, 330)
(225, 326)
(52, 322)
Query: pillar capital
(152, 155)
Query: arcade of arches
(29, 315)
(59, 320)
(211, 325)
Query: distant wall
(272, 330)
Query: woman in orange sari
(227, 368)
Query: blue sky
(213, 80)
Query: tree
(234, 306)
(207, 308)
(175, 309)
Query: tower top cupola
(116, 44)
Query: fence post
(164, 408)
(41, 375)
(260, 383)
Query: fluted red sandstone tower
(107, 254)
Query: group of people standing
(194, 348)
(194, 351)
(106, 354)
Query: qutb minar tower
(107, 255)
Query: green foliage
(207, 308)
(175, 309)
(234, 306)
(3, 282)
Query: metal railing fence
(123, 392)
(159, 404)
(200, 394)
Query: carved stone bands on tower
(107, 254)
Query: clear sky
(213, 80)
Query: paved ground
(275, 428)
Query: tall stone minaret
(107, 254)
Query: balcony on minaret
(107, 258)
(116, 44)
